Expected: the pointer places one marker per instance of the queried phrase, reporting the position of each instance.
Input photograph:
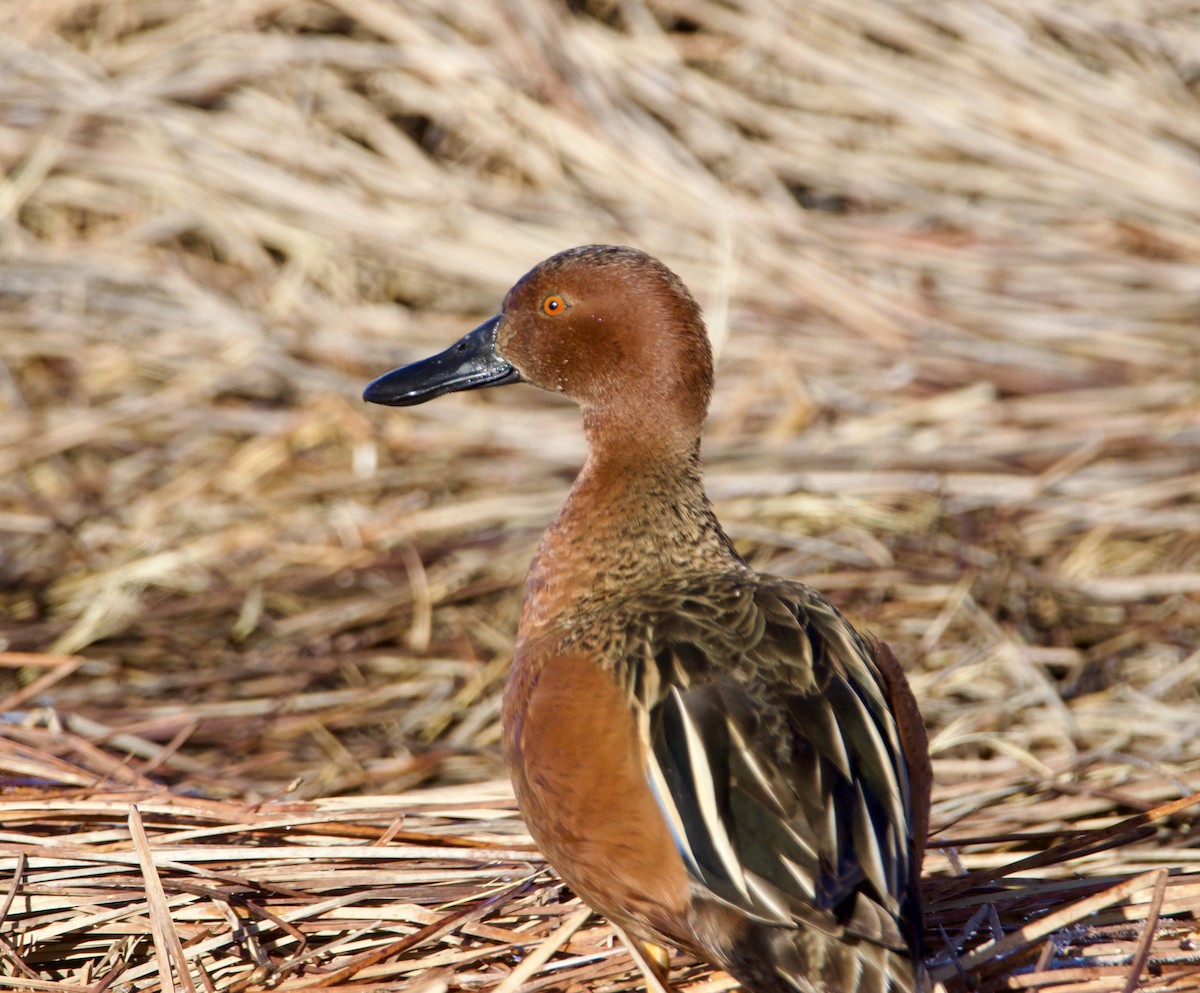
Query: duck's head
(612, 328)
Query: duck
(712, 758)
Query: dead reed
(950, 256)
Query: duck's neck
(632, 520)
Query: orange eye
(554, 305)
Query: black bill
(472, 363)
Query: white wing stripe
(801, 875)
(870, 857)
(702, 783)
(662, 795)
(886, 760)
(769, 897)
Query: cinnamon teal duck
(712, 758)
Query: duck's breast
(579, 768)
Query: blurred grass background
(950, 257)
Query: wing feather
(778, 766)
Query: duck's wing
(778, 761)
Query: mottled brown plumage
(711, 757)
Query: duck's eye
(554, 305)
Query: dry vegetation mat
(1033, 886)
(253, 634)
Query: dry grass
(1037, 885)
(951, 258)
